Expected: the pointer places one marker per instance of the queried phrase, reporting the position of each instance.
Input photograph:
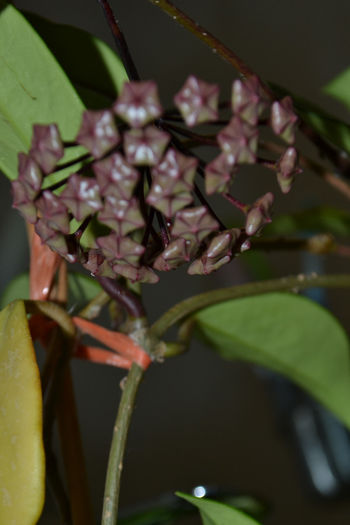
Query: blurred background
(200, 420)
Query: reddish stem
(121, 343)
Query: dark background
(199, 419)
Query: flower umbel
(132, 203)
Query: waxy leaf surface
(289, 334)
(33, 89)
(339, 87)
(22, 464)
(96, 72)
(214, 513)
(321, 219)
(81, 289)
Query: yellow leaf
(22, 463)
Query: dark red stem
(123, 296)
(120, 42)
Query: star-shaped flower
(23, 201)
(30, 174)
(94, 261)
(47, 146)
(116, 177)
(81, 196)
(143, 274)
(248, 99)
(120, 249)
(138, 103)
(98, 132)
(197, 101)
(54, 212)
(145, 147)
(194, 224)
(172, 183)
(123, 216)
(239, 141)
(56, 241)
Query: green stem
(197, 302)
(116, 454)
(94, 307)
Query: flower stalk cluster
(134, 206)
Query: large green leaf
(289, 334)
(321, 219)
(169, 510)
(33, 89)
(81, 289)
(339, 87)
(22, 462)
(95, 70)
(334, 130)
(214, 513)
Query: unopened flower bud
(174, 255)
(287, 169)
(258, 215)
(284, 120)
(248, 99)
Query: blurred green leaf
(95, 70)
(339, 88)
(257, 264)
(81, 289)
(321, 219)
(170, 510)
(289, 334)
(33, 89)
(18, 288)
(214, 513)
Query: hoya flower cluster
(135, 191)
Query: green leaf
(18, 288)
(214, 513)
(22, 460)
(170, 510)
(289, 334)
(95, 70)
(33, 89)
(339, 87)
(321, 219)
(81, 289)
(329, 127)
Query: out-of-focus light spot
(199, 492)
